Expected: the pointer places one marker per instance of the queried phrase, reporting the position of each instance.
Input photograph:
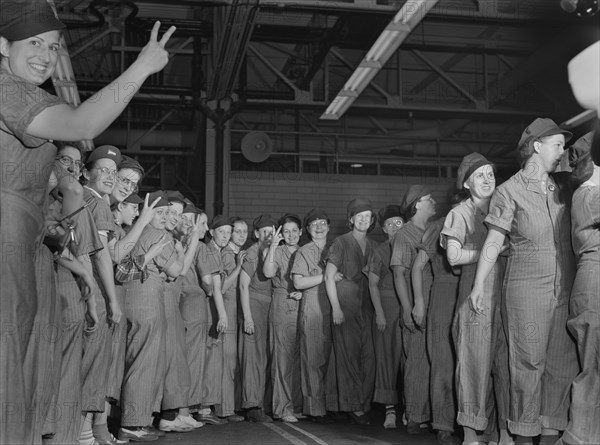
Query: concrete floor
(301, 433)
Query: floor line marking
(307, 434)
(285, 434)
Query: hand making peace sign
(154, 56)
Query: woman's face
(34, 58)
(550, 149)
(69, 158)
(186, 223)
(128, 213)
(101, 177)
(221, 235)
(203, 222)
(159, 220)
(318, 229)
(362, 221)
(126, 184)
(174, 215)
(291, 233)
(264, 235)
(392, 225)
(482, 182)
(239, 234)
(426, 205)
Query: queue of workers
(489, 314)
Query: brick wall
(254, 193)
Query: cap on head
(105, 152)
(413, 194)
(20, 20)
(468, 165)
(263, 221)
(175, 196)
(358, 205)
(128, 162)
(315, 214)
(391, 211)
(163, 202)
(219, 221)
(580, 159)
(133, 199)
(539, 128)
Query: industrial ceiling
(469, 77)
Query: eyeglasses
(127, 183)
(395, 222)
(318, 223)
(68, 161)
(105, 171)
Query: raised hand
(147, 212)
(277, 236)
(154, 56)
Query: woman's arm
(220, 306)
(235, 273)
(488, 257)
(245, 302)
(416, 274)
(270, 267)
(302, 282)
(459, 256)
(105, 270)
(402, 292)
(380, 320)
(336, 309)
(92, 117)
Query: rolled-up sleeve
(502, 210)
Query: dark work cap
(189, 207)
(314, 215)
(539, 128)
(391, 211)
(468, 165)
(219, 221)
(128, 162)
(20, 20)
(105, 152)
(358, 205)
(580, 159)
(164, 202)
(263, 221)
(414, 193)
(134, 199)
(175, 196)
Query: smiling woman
(30, 118)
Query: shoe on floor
(325, 420)
(390, 419)
(178, 425)
(290, 418)
(211, 419)
(154, 430)
(258, 415)
(445, 438)
(363, 419)
(189, 420)
(139, 434)
(234, 418)
(300, 416)
(111, 440)
(413, 427)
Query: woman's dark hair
(411, 211)
(595, 149)
(61, 145)
(289, 219)
(456, 196)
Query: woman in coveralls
(387, 334)
(584, 322)
(533, 208)
(352, 312)
(30, 118)
(283, 318)
(480, 341)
